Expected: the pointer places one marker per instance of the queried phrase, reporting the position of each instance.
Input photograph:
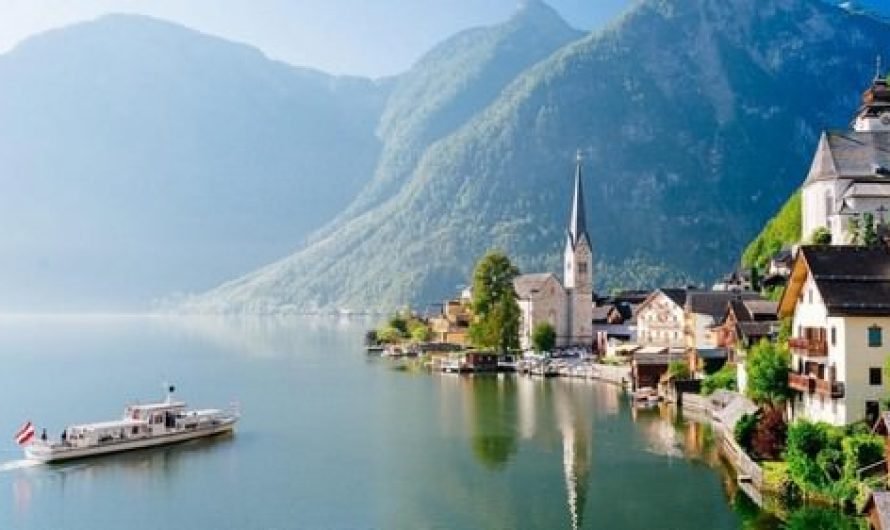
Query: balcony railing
(828, 388)
(801, 383)
(810, 384)
(808, 347)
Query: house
(660, 319)
(877, 509)
(613, 323)
(850, 173)
(566, 305)
(745, 322)
(704, 309)
(839, 300)
(736, 281)
(453, 326)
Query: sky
(361, 37)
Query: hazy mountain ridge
(141, 157)
(448, 86)
(697, 119)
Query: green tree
(768, 366)
(678, 370)
(419, 331)
(869, 233)
(495, 309)
(744, 429)
(725, 378)
(854, 230)
(821, 236)
(543, 337)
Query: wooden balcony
(801, 383)
(808, 347)
(829, 389)
(813, 385)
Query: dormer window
(875, 336)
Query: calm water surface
(331, 439)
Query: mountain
(141, 157)
(452, 83)
(696, 118)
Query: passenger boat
(148, 425)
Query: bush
(744, 431)
(768, 439)
(543, 337)
(678, 370)
(724, 379)
(861, 450)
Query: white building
(839, 299)
(850, 174)
(660, 320)
(567, 306)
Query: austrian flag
(25, 434)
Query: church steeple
(578, 219)
(579, 251)
(874, 112)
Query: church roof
(859, 156)
(578, 217)
(527, 285)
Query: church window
(829, 207)
(582, 268)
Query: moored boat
(142, 426)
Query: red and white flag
(24, 434)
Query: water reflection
(493, 412)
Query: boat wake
(13, 465)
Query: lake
(330, 438)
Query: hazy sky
(367, 37)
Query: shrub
(744, 431)
(768, 439)
(678, 370)
(724, 379)
(543, 337)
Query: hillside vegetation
(781, 231)
(693, 125)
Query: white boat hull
(46, 453)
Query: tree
(419, 331)
(496, 312)
(768, 366)
(821, 236)
(854, 230)
(543, 337)
(725, 378)
(869, 233)
(678, 370)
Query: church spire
(578, 219)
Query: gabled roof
(527, 285)
(851, 280)
(860, 156)
(677, 296)
(714, 303)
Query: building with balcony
(839, 300)
(660, 319)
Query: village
(788, 361)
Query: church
(850, 174)
(566, 305)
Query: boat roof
(206, 412)
(159, 406)
(109, 425)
